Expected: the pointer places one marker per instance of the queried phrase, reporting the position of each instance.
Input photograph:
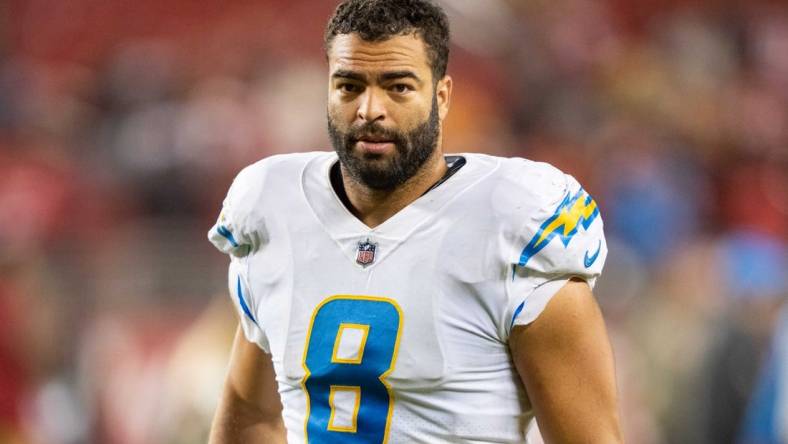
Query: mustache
(372, 129)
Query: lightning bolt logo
(574, 211)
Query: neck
(373, 207)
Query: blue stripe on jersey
(243, 303)
(516, 313)
(221, 229)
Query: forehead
(402, 52)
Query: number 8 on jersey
(351, 347)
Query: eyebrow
(396, 75)
(350, 75)
(384, 77)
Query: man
(389, 293)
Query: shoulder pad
(563, 231)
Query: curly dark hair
(378, 20)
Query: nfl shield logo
(366, 253)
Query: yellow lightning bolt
(569, 218)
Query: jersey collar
(345, 228)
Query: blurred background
(122, 124)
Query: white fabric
(452, 262)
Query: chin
(372, 157)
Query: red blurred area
(122, 124)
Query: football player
(389, 293)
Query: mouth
(375, 147)
(374, 144)
(374, 138)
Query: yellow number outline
(382, 377)
(357, 360)
(344, 388)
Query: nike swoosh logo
(589, 261)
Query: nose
(371, 106)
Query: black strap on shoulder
(453, 163)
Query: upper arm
(249, 409)
(251, 378)
(554, 232)
(565, 361)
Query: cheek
(412, 117)
(336, 119)
(341, 109)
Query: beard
(413, 149)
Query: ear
(443, 93)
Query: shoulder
(522, 190)
(524, 180)
(537, 183)
(547, 216)
(277, 167)
(268, 176)
(241, 226)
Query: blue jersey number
(351, 347)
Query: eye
(401, 88)
(349, 88)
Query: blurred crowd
(122, 124)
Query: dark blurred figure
(753, 267)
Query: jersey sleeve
(240, 228)
(243, 301)
(239, 231)
(561, 238)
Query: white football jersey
(399, 333)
